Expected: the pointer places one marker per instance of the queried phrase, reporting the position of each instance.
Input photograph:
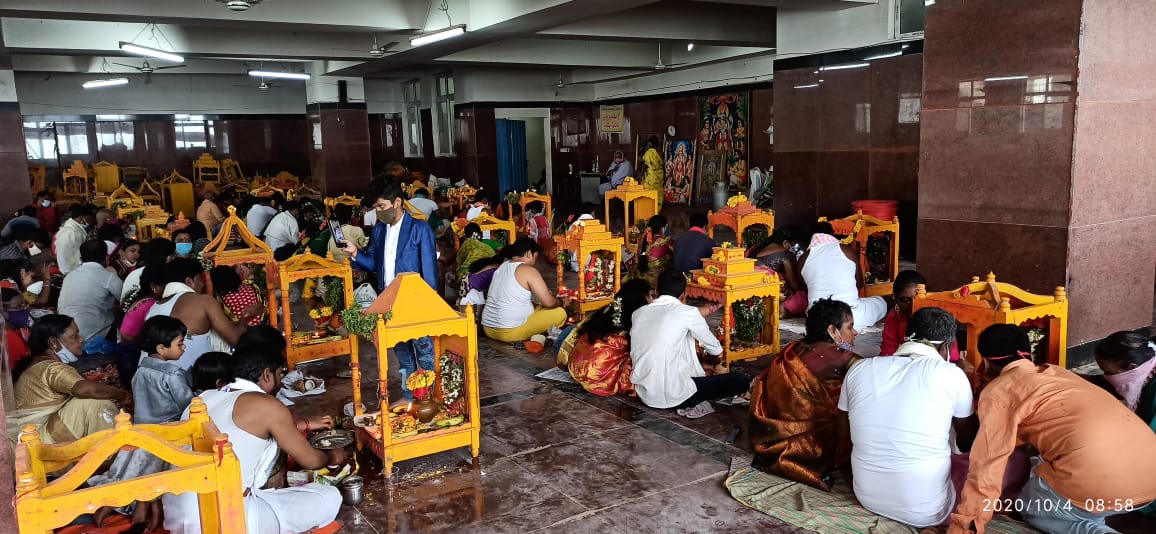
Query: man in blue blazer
(399, 244)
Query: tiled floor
(556, 459)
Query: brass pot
(425, 410)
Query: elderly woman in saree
(796, 429)
(597, 353)
(52, 395)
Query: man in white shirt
(72, 233)
(259, 216)
(901, 409)
(667, 372)
(89, 295)
(282, 229)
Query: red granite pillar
(341, 159)
(1012, 179)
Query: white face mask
(45, 203)
(34, 250)
(66, 355)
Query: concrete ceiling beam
(678, 22)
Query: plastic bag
(364, 295)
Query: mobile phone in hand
(338, 235)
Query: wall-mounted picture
(679, 171)
(724, 127)
(712, 167)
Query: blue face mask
(18, 318)
(184, 249)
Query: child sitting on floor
(895, 324)
(234, 294)
(161, 388)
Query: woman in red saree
(796, 429)
(600, 357)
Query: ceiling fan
(376, 50)
(263, 86)
(239, 5)
(147, 70)
(659, 65)
(562, 83)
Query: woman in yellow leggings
(510, 314)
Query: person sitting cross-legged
(667, 372)
(259, 427)
(796, 431)
(1096, 458)
(510, 314)
(901, 412)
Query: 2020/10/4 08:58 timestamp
(1096, 506)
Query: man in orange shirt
(1096, 458)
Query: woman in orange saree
(600, 357)
(796, 429)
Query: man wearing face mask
(618, 171)
(72, 233)
(26, 241)
(399, 244)
(901, 411)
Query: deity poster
(724, 122)
(679, 171)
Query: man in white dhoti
(258, 426)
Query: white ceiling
(588, 40)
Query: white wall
(536, 151)
(7, 86)
(383, 96)
(514, 85)
(62, 94)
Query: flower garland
(750, 316)
(616, 313)
(419, 383)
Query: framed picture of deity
(712, 168)
(640, 150)
(679, 186)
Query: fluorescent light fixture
(282, 75)
(928, 2)
(1006, 78)
(439, 35)
(842, 67)
(881, 56)
(808, 86)
(150, 52)
(689, 47)
(111, 82)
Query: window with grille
(412, 97)
(445, 114)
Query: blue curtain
(512, 161)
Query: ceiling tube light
(842, 67)
(808, 86)
(881, 56)
(439, 35)
(281, 75)
(111, 82)
(1006, 78)
(150, 52)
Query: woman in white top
(510, 314)
(830, 271)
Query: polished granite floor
(555, 459)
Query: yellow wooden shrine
(486, 222)
(727, 277)
(304, 190)
(285, 180)
(149, 192)
(38, 176)
(206, 169)
(231, 172)
(639, 203)
(76, 184)
(308, 348)
(532, 196)
(122, 196)
(584, 239)
(210, 469)
(150, 221)
(107, 176)
(416, 310)
(979, 305)
(859, 229)
(738, 215)
(255, 252)
(177, 194)
(461, 196)
(416, 186)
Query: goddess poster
(724, 128)
(679, 171)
